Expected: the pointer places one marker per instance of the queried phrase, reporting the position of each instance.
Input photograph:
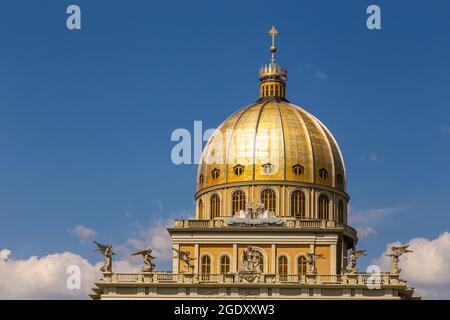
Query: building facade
(271, 188)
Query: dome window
(215, 206)
(200, 179)
(324, 204)
(323, 173)
(267, 168)
(268, 198)
(238, 170)
(297, 169)
(238, 201)
(339, 179)
(215, 173)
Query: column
(175, 259)
(274, 259)
(197, 261)
(333, 259)
(235, 259)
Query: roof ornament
(396, 252)
(107, 253)
(273, 32)
(146, 254)
(353, 259)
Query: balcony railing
(230, 278)
(288, 223)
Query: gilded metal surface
(276, 133)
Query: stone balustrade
(288, 223)
(234, 278)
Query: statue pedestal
(352, 278)
(188, 277)
(310, 278)
(107, 277)
(147, 277)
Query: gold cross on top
(273, 33)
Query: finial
(273, 32)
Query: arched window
(224, 264)
(268, 198)
(297, 169)
(261, 263)
(267, 168)
(298, 204)
(215, 206)
(339, 179)
(340, 211)
(200, 209)
(215, 173)
(200, 179)
(301, 265)
(282, 265)
(238, 170)
(323, 173)
(323, 207)
(238, 201)
(206, 265)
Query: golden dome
(274, 141)
(275, 153)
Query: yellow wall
(190, 248)
(323, 265)
(292, 251)
(215, 251)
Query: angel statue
(311, 262)
(106, 251)
(396, 252)
(353, 259)
(148, 259)
(185, 258)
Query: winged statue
(353, 259)
(396, 252)
(311, 259)
(185, 258)
(106, 251)
(146, 254)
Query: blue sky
(86, 116)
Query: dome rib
(319, 125)
(254, 140)
(227, 151)
(282, 140)
(311, 149)
(341, 157)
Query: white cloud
(155, 237)
(365, 221)
(370, 216)
(445, 130)
(321, 76)
(426, 269)
(45, 277)
(364, 232)
(374, 157)
(4, 255)
(84, 233)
